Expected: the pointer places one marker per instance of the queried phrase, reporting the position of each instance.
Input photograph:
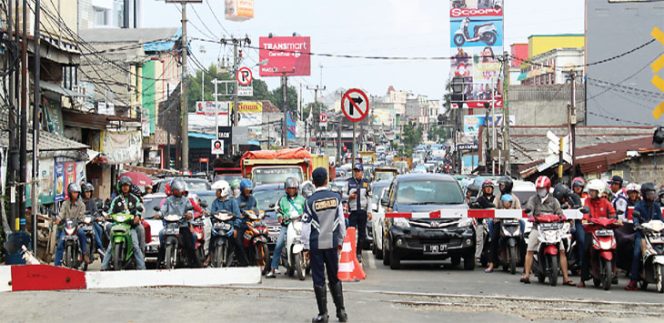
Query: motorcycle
(174, 254)
(510, 242)
(72, 256)
(255, 239)
(486, 33)
(653, 256)
(122, 247)
(550, 228)
(222, 231)
(602, 253)
(293, 256)
(198, 231)
(88, 228)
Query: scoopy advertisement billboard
(285, 55)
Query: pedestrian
(359, 194)
(323, 232)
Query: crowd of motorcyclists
(624, 208)
(595, 199)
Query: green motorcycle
(122, 247)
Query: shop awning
(57, 89)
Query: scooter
(602, 253)
(510, 242)
(72, 256)
(122, 247)
(293, 256)
(545, 261)
(486, 33)
(198, 230)
(255, 239)
(222, 231)
(174, 254)
(88, 228)
(653, 254)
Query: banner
(251, 113)
(476, 43)
(288, 56)
(122, 147)
(59, 181)
(291, 126)
(239, 10)
(472, 123)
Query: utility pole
(237, 58)
(11, 143)
(284, 93)
(35, 126)
(316, 89)
(572, 119)
(184, 110)
(506, 117)
(23, 141)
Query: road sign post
(355, 106)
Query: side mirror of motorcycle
(156, 208)
(140, 208)
(637, 215)
(528, 210)
(584, 210)
(204, 204)
(99, 204)
(272, 206)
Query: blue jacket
(649, 211)
(229, 205)
(323, 223)
(247, 203)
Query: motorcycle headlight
(401, 223)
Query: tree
(276, 96)
(412, 136)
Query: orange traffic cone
(349, 268)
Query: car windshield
(228, 177)
(192, 185)
(422, 192)
(377, 191)
(265, 198)
(381, 176)
(274, 175)
(149, 204)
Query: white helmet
(222, 186)
(633, 187)
(597, 185)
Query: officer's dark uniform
(358, 208)
(323, 232)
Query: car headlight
(401, 223)
(465, 222)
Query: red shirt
(599, 208)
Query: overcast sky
(364, 27)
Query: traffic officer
(323, 232)
(359, 194)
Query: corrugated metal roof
(141, 35)
(47, 141)
(598, 158)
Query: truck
(368, 157)
(275, 166)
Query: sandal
(569, 283)
(525, 280)
(581, 284)
(488, 271)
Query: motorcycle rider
(598, 207)
(484, 201)
(633, 195)
(578, 184)
(505, 185)
(126, 201)
(225, 202)
(566, 197)
(649, 209)
(323, 232)
(359, 194)
(72, 208)
(543, 203)
(179, 203)
(471, 192)
(91, 207)
(235, 187)
(289, 205)
(507, 202)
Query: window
(100, 16)
(421, 192)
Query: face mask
(542, 193)
(236, 192)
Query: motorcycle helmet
(87, 187)
(235, 187)
(597, 185)
(561, 192)
(178, 187)
(246, 184)
(542, 186)
(307, 189)
(506, 198)
(578, 182)
(507, 184)
(124, 180)
(291, 182)
(73, 188)
(222, 186)
(633, 187)
(648, 191)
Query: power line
(217, 18)
(211, 34)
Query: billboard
(239, 10)
(472, 123)
(288, 56)
(251, 113)
(476, 42)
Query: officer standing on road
(359, 193)
(323, 232)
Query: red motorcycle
(255, 239)
(602, 260)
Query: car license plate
(435, 249)
(604, 233)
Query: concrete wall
(644, 169)
(543, 105)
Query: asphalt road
(416, 293)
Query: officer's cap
(319, 176)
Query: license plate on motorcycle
(604, 233)
(434, 249)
